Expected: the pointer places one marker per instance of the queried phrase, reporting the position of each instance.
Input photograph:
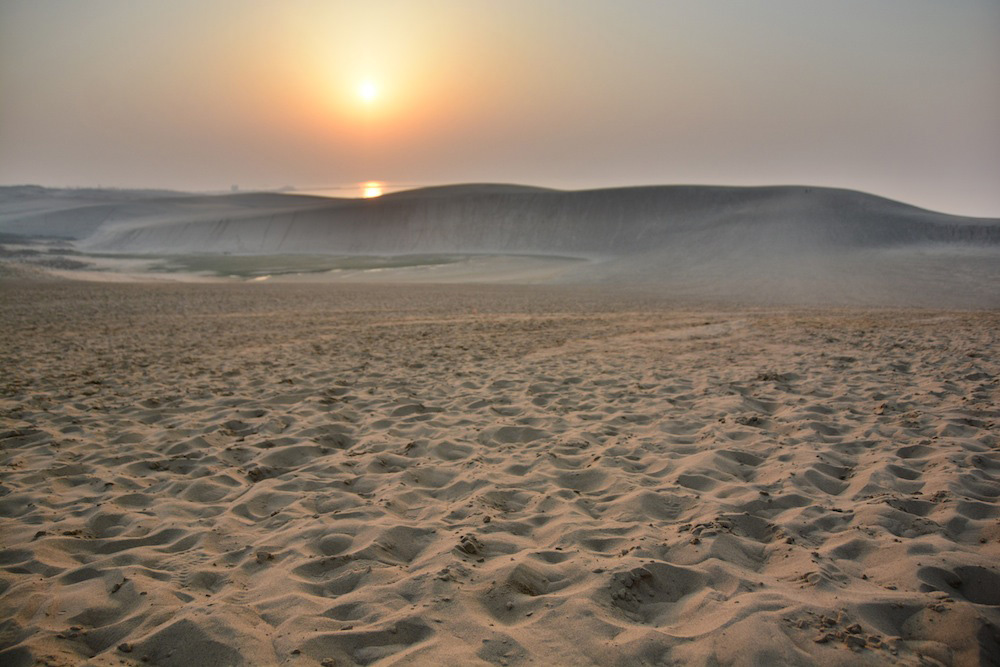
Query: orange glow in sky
(371, 189)
(451, 91)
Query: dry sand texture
(320, 475)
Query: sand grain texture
(331, 474)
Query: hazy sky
(896, 97)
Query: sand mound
(598, 223)
(767, 245)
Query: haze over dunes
(751, 245)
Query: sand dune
(350, 475)
(34, 211)
(774, 245)
(521, 221)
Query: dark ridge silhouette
(762, 244)
(508, 219)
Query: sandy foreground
(348, 474)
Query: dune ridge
(617, 221)
(757, 245)
(480, 219)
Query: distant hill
(510, 219)
(761, 244)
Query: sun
(371, 189)
(368, 91)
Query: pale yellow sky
(896, 97)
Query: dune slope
(594, 222)
(754, 245)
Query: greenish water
(239, 266)
(252, 266)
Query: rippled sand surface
(338, 475)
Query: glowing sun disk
(371, 189)
(368, 91)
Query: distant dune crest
(760, 244)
